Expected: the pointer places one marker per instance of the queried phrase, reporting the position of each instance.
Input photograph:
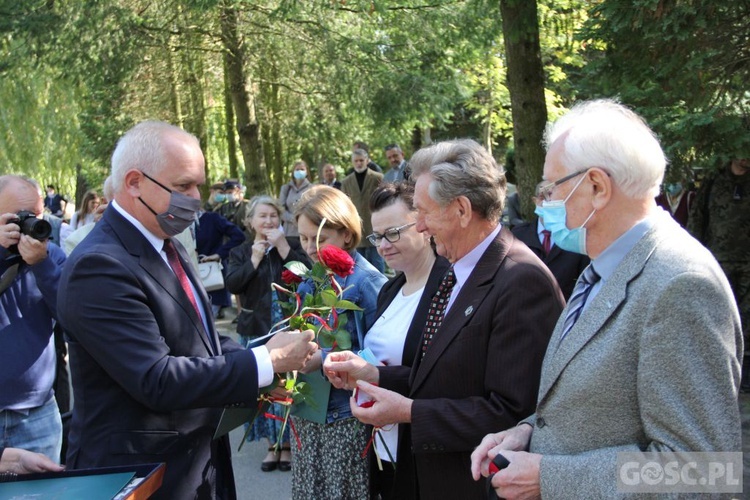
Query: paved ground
(745, 414)
(253, 484)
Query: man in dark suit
(150, 372)
(481, 364)
(328, 176)
(565, 266)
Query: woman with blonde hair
(334, 449)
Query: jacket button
(540, 422)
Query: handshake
(291, 350)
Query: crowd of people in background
(462, 343)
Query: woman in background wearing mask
(677, 201)
(290, 194)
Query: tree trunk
(229, 118)
(195, 121)
(526, 87)
(248, 128)
(174, 81)
(416, 139)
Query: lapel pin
(469, 310)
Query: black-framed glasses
(391, 235)
(545, 192)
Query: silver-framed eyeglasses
(545, 192)
(391, 235)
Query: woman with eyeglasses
(401, 313)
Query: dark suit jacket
(482, 371)
(148, 384)
(565, 266)
(405, 481)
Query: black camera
(38, 229)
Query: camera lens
(38, 229)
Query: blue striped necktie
(581, 292)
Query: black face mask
(180, 214)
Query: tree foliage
(684, 65)
(320, 74)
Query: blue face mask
(674, 189)
(554, 216)
(220, 197)
(300, 174)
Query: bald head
(19, 193)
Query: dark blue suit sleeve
(144, 341)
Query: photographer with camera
(29, 274)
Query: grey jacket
(652, 364)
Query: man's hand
(515, 439)
(32, 250)
(10, 232)
(291, 350)
(344, 368)
(21, 461)
(388, 407)
(280, 391)
(520, 480)
(209, 258)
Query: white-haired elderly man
(645, 357)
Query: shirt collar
(466, 264)
(539, 227)
(606, 263)
(155, 241)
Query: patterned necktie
(437, 309)
(546, 242)
(176, 265)
(578, 299)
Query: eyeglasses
(545, 192)
(391, 235)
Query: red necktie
(176, 265)
(547, 242)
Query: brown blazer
(361, 199)
(482, 371)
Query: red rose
(337, 260)
(289, 277)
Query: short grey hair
(252, 206)
(142, 148)
(463, 167)
(603, 133)
(360, 152)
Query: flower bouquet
(315, 302)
